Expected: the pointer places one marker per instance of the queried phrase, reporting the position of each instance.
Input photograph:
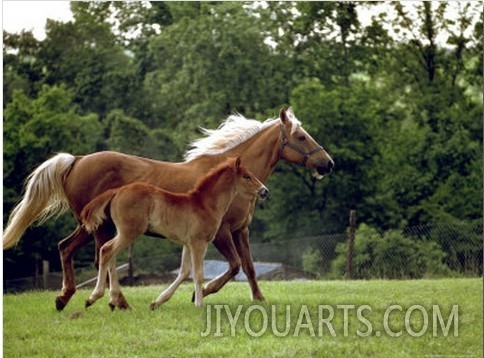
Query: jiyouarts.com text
(330, 320)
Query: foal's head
(246, 183)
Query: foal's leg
(241, 240)
(198, 249)
(104, 253)
(103, 234)
(182, 276)
(107, 254)
(224, 244)
(67, 249)
(116, 298)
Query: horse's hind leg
(224, 244)
(67, 249)
(182, 275)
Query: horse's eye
(302, 138)
(247, 177)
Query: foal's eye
(302, 138)
(247, 177)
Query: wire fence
(436, 250)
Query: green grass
(32, 327)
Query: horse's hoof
(59, 303)
(112, 306)
(153, 306)
(88, 303)
(258, 297)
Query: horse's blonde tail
(44, 197)
(94, 213)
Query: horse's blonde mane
(235, 130)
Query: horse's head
(246, 183)
(297, 146)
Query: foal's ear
(237, 162)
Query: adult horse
(67, 181)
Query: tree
(439, 136)
(34, 130)
(211, 61)
(130, 135)
(85, 56)
(22, 69)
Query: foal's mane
(235, 130)
(212, 175)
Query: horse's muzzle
(263, 193)
(325, 169)
(322, 170)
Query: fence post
(45, 273)
(351, 245)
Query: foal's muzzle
(263, 192)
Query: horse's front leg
(67, 249)
(182, 276)
(241, 240)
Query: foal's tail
(44, 197)
(94, 213)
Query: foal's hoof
(204, 293)
(153, 306)
(123, 305)
(88, 303)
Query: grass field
(368, 319)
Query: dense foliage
(398, 108)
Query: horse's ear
(282, 115)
